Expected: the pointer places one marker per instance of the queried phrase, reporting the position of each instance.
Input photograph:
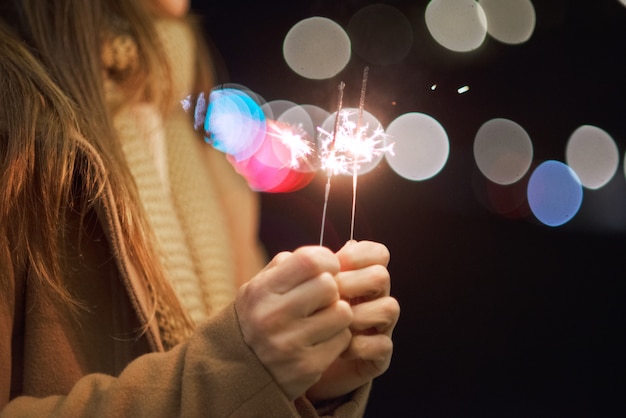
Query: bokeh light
(509, 21)
(276, 146)
(421, 146)
(234, 123)
(503, 151)
(317, 48)
(458, 25)
(380, 34)
(273, 168)
(592, 153)
(272, 155)
(554, 193)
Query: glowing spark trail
(329, 157)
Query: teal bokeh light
(234, 123)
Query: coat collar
(134, 282)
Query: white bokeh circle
(420, 146)
(503, 151)
(509, 21)
(593, 155)
(317, 48)
(458, 25)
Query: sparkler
(349, 146)
(346, 148)
(358, 139)
(329, 158)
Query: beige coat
(96, 363)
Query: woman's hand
(292, 317)
(364, 281)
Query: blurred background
(509, 308)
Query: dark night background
(501, 315)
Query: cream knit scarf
(178, 193)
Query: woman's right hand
(293, 318)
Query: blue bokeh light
(555, 193)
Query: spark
(295, 140)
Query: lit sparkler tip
(350, 145)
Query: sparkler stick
(357, 138)
(329, 169)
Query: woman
(126, 244)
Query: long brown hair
(50, 92)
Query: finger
(380, 315)
(311, 296)
(321, 332)
(277, 312)
(355, 255)
(325, 325)
(289, 271)
(278, 258)
(376, 349)
(366, 283)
